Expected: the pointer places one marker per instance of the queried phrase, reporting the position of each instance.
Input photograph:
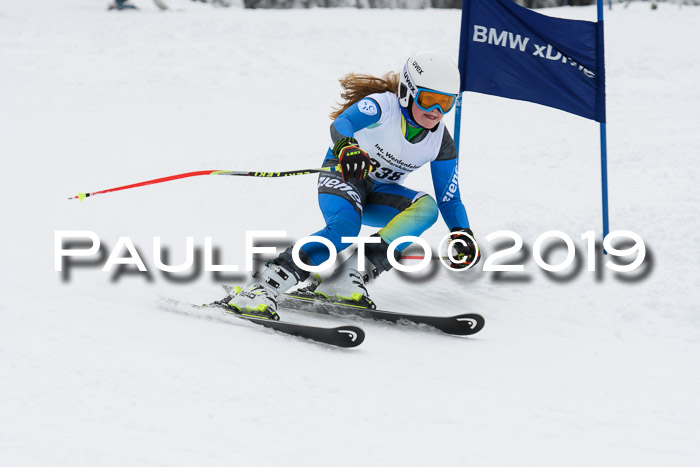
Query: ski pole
(82, 196)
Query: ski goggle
(427, 100)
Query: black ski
(341, 336)
(459, 325)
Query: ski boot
(347, 286)
(307, 291)
(258, 299)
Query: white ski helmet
(432, 71)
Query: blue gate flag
(509, 51)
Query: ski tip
(470, 323)
(352, 336)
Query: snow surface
(572, 369)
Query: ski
(458, 325)
(465, 324)
(341, 336)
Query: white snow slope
(578, 369)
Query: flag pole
(604, 156)
(604, 178)
(458, 120)
(461, 64)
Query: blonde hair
(357, 86)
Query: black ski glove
(464, 248)
(354, 161)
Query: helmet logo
(417, 67)
(409, 82)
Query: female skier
(393, 125)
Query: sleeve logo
(367, 107)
